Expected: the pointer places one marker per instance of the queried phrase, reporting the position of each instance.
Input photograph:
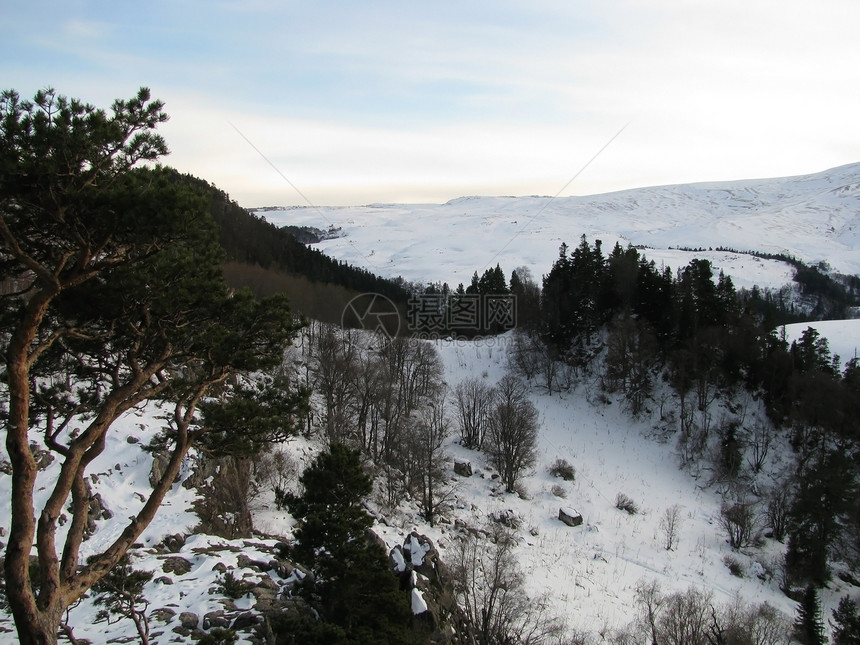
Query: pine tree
(356, 589)
(846, 623)
(825, 492)
(119, 300)
(808, 628)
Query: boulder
(188, 620)
(215, 619)
(463, 468)
(570, 516)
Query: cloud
(481, 97)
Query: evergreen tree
(846, 623)
(825, 491)
(808, 628)
(492, 282)
(356, 589)
(118, 299)
(121, 593)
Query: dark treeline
(824, 295)
(700, 327)
(252, 241)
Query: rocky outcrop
(429, 584)
(222, 507)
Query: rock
(160, 459)
(165, 580)
(570, 516)
(245, 620)
(223, 487)
(132, 439)
(215, 619)
(507, 518)
(174, 543)
(244, 562)
(43, 458)
(463, 468)
(177, 565)
(162, 614)
(188, 620)
(429, 585)
(372, 538)
(97, 509)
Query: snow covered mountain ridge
(815, 218)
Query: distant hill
(814, 218)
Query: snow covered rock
(569, 516)
(463, 468)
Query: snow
(419, 605)
(813, 217)
(591, 572)
(417, 551)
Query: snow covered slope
(813, 217)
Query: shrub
(624, 503)
(736, 568)
(218, 636)
(559, 491)
(232, 587)
(563, 468)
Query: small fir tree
(808, 627)
(120, 592)
(355, 587)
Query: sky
(345, 103)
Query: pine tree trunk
(39, 628)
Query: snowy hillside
(813, 217)
(590, 572)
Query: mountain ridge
(814, 217)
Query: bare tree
(423, 456)
(754, 624)
(524, 356)
(691, 618)
(686, 618)
(512, 431)
(670, 525)
(335, 370)
(403, 437)
(758, 441)
(489, 589)
(738, 521)
(650, 600)
(778, 509)
(473, 399)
